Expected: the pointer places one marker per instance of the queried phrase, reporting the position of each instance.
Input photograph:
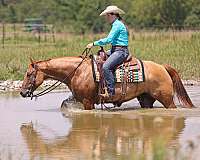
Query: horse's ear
(34, 65)
(32, 61)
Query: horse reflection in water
(104, 136)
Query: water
(37, 129)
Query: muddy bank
(11, 85)
(191, 82)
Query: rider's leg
(113, 60)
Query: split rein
(58, 83)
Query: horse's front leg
(88, 104)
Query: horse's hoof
(71, 105)
(66, 103)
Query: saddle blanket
(132, 71)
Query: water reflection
(104, 136)
(95, 134)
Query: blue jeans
(115, 58)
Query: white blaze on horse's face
(32, 79)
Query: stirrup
(105, 95)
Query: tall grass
(6, 153)
(180, 49)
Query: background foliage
(174, 46)
(83, 15)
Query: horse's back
(155, 71)
(157, 77)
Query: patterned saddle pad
(132, 71)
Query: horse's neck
(59, 68)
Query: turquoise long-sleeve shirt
(118, 35)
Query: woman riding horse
(118, 37)
(161, 81)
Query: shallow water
(37, 129)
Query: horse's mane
(57, 58)
(43, 60)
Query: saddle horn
(102, 54)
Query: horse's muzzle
(25, 93)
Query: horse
(162, 83)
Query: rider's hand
(90, 45)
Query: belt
(114, 47)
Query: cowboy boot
(105, 95)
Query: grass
(156, 150)
(159, 149)
(6, 153)
(180, 49)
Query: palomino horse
(161, 83)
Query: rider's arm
(113, 33)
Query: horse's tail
(178, 87)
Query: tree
(193, 18)
(81, 16)
(3, 2)
(146, 13)
(173, 12)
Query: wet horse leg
(88, 104)
(146, 100)
(167, 101)
(166, 98)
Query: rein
(58, 83)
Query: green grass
(159, 149)
(179, 49)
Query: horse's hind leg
(165, 98)
(146, 100)
(167, 101)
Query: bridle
(32, 79)
(33, 75)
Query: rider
(118, 38)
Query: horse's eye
(28, 74)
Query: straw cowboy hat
(112, 9)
